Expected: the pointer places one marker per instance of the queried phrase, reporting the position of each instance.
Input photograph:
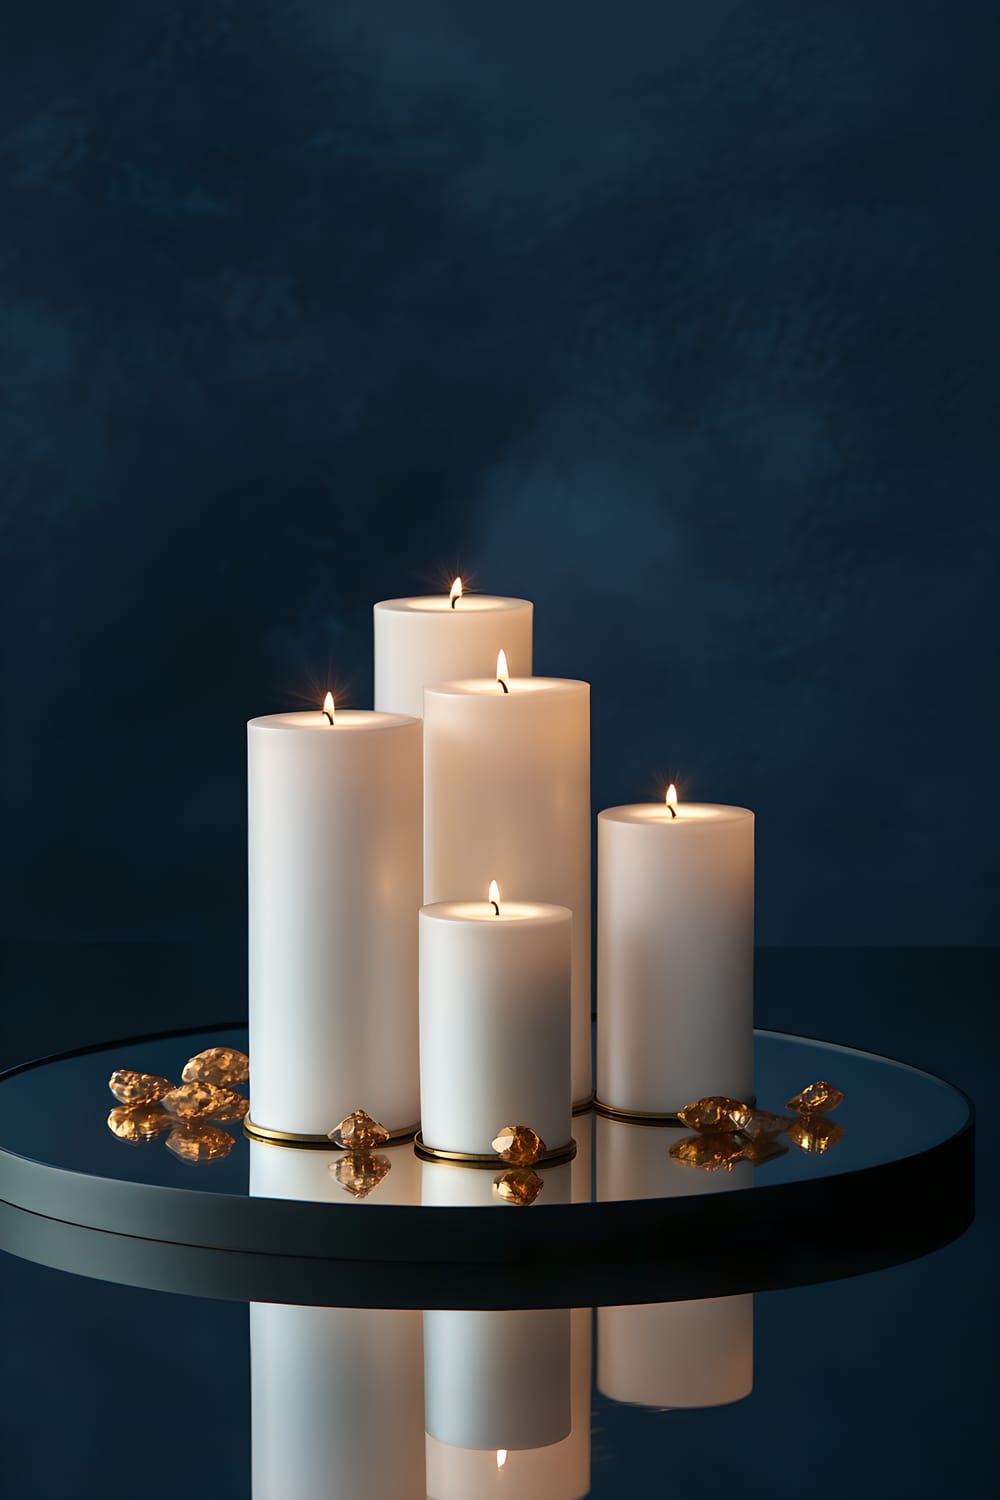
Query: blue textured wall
(680, 319)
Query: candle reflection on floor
(558, 1471)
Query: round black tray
(621, 1223)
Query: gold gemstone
(139, 1122)
(709, 1153)
(218, 1065)
(229, 1105)
(762, 1124)
(521, 1186)
(817, 1099)
(196, 1142)
(360, 1172)
(138, 1088)
(358, 1132)
(518, 1144)
(198, 1101)
(715, 1114)
(815, 1135)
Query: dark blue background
(679, 319)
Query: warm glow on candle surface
(328, 707)
(503, 672)
(456, 592)
(494, 896)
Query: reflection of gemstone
(816, 1099)
(192, 1101)
(715, 1114)
(358, 1132)
(197, 1142)
(360, 1172)
(763, 1124)
(228, 1105)
(138, 1088)
(761, 1149)
(518, 1144)
(139, 1122)
(218, 1065)
(710, 1153)
(815, 1134)
(521, 1186)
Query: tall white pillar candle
(558, 1471)
(675, 955)
(335, 856)
(498, 1380)
(677, 1354)
(337, 1409)
(507, 794)
(494, 1023)
(422, 641)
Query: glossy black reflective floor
(876, 1386)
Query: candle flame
(328, 707)
(503, 672)
(494, 896)
(501, 1457)
(456, 592)
(671, 800)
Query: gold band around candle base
(314, 1142)
(583, 1105)
(638, 1116)
(466, 1159)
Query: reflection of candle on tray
(558, 1471)
(337, 1409)
(494, 1022)
(507, 793)
(335, 878)
(675, 954)
(498, 1380)
(391, 1174)
(442, 638)
(677, 1354)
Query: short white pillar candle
(441, 638)
(675, 955)
(494, 1023)
(335, 879)
(507, 793)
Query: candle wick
(455, 600)
(327, 715)
(496, 907)
(671, 810)
(503, 685)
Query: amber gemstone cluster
(728, 1131)
(190, 1111)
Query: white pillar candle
(336, 1403)
(498, 1380)
(335, 854)
(677, 1354)
(559, 1471)
(422, 641)
(507, 793)
(494, 1023)
(675, 955)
